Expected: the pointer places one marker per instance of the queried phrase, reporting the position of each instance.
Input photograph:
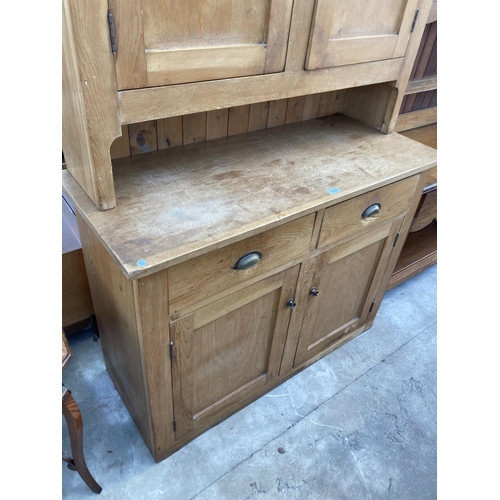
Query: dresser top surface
(178, 203)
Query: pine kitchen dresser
(241, 204)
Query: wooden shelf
(174, 100)
(175, 204)
(426, 135)
(416, 119)
(419, 253)
(421, 85)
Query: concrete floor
(358, 424)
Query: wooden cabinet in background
(418, 121)
(77, 308)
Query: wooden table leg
(74, 421)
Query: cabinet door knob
(313, 291)
(248, 261)
(291, 304)
(372, 210)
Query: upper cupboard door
(357, 31)
(165, 42)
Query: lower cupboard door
(346, 279)
(226, 351)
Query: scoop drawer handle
(248, 261)
(372, 211)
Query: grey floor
(358, 424)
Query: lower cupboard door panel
(228, 350)
(347, 278)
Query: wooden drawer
(345, 219)
(211, 275)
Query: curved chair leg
(74, 421)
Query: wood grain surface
(228, 350)
(208, 275)
(151, 303)
(115, 308)
(345, 218)
(343, 285)
(343, 33)
(426, 135)
(90, 90)
(419, 253)
(414, 119)
(164, 42)
(172, 100)
(427, 211)
(232, 121)
(76, 299)
(414, 44)
(182, 202)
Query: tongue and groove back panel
(167, 133)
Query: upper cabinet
(166, 42)
(356, 31)
(131, 62)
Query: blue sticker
(141, 263)
(334, 190)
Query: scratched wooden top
(178, 203)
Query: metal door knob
(291, 304)
(313, 291)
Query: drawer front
(211, 274)
(365, 211)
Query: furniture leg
(74, 421)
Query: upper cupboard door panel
(357, 31)
(165, 42)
